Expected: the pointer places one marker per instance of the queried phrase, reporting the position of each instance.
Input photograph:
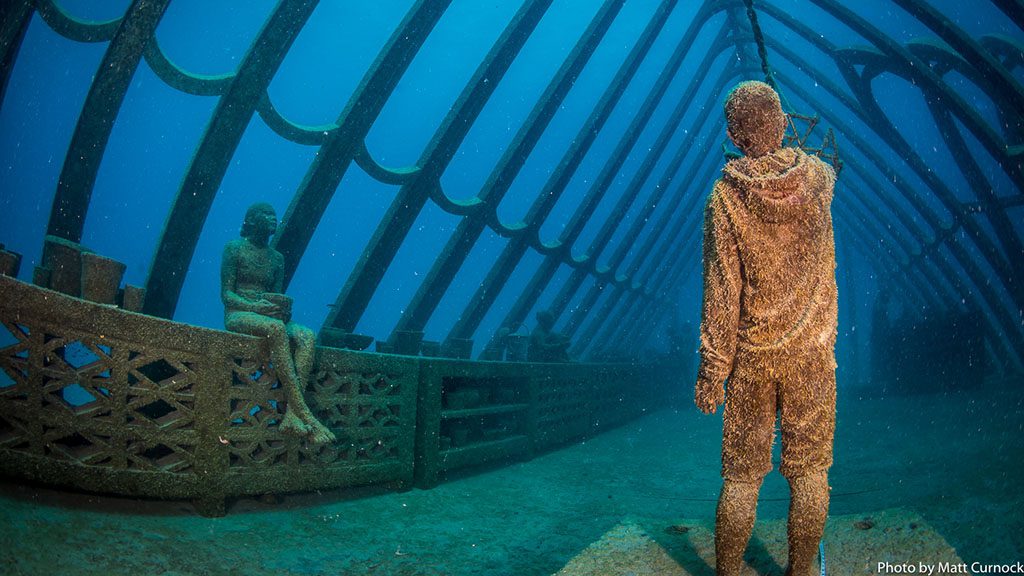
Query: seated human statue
(252, 277)
(546, 345)
(497, 348)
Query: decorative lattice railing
(96, 398)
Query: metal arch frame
(528, 232)
(206, 171)
(584, 343)
(102, 103)
(918, 72)
(902, 280)
(666, 231)
(243, 92)
(864, 116)
(74, 28)
(948, 284)
(376, 257)
(657, 199)
(468, 231)
(903, 188)
(15, 17)
(994, 78)
(874, 113)
(667, 215)
(978, 277)
(528, 298)
(996, 257)
(950, 275)
(347, 144)
(1010, 331)
(177, 244)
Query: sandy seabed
(955, 460)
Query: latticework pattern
(97, 398)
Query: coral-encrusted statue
(251, 279)
(546, 345)
(769, 326)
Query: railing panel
(96, 398)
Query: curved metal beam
(64, 23)
(506, 262)
(354, 297)
(909, 222)
(15, 16)
(180, 79)
(981, 280)
(102, 103)
(343, 145)
(867, 111)
(528, 298)
(997, 80)
(669, 208)
(444, 269)
(643, 218)
(213, 155)
(922, 76)
(918, 166)
(600, 330)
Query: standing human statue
(768, 326)
(251, 279)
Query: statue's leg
(303, 341)
(747, 430)
(808, 426)
(734, 521)
(808, 509)
(280, 355)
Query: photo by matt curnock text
(949, 568)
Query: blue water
(158, 127)
(878, 225)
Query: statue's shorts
(802, 392)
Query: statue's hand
(265, 307)
(708, 395)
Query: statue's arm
(721, 306)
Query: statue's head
(754, 117)
(260, 221)
(545, 319)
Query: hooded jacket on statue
(770, 290)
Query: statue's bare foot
(320, 434)
(292, 424)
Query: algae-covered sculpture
(546, 345)
(769, 326)
(498, 346)
(251, 281)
